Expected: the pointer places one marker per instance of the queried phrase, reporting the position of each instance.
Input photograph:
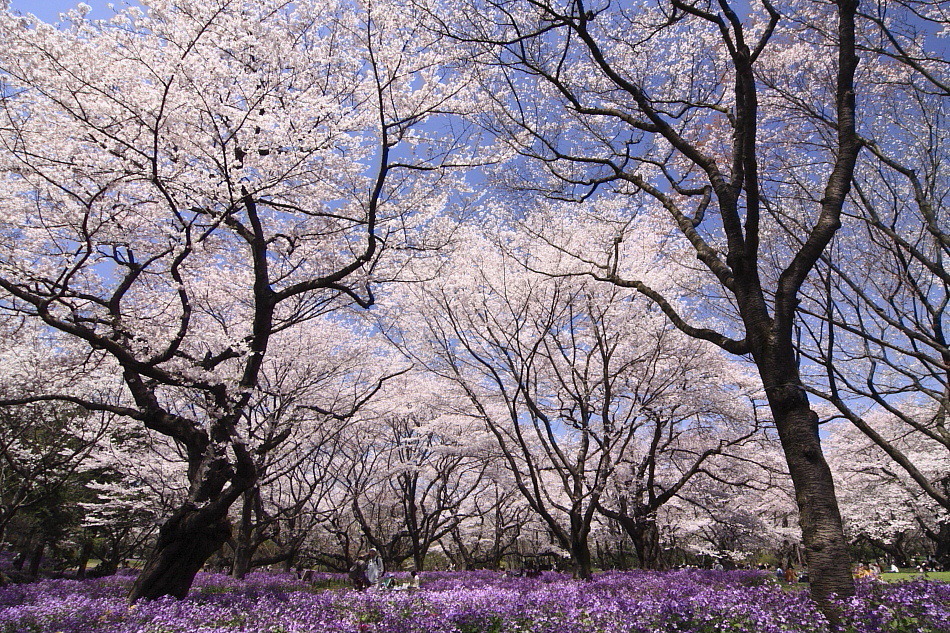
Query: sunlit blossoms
(529, 285)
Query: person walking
(357, 573)
(374, 568)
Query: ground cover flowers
(688, 601)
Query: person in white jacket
(374, 568)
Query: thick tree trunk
(645, 536)
(418, 559)
(826, 550)
(36, 557)
(640, 526)
(241, 563)
(244, 543)
(291, 561)
(580, 555)
(942, 542)
(185, 542)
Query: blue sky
(49, 10)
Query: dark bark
(579, 543)
(23, 547)
(291, 560)
(942, 553)
(36, 557)
(84, 553)
(244, 543)
(940, 536)
(275, 559)
(574, 538)
(769, 333)
(467, 559)
(418, 542)
(200, 526)
(894, 551)
(826, 550)
(185, 542)
(110, 559)
(640, 526)
(645, 536)
(771, 342)
(580, 557)
(768, 322)
(242, 562)
(105, 568)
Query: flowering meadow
(691, 601)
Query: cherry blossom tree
(406, 467)
(290, 505)
(188, 179)
(493, 522)
(138, 480)
(589, 405)
(661, 105)
(659, 471)
(304, 404)
(875, 325)
(682, 438)
(882, 503)
(45, 448)
(432, 473)
(739, 510)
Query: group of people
(790, 575)
(370, 571)
(872, 570)
(866, 571)
(931, 563)
(367, 571)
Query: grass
(943, 576)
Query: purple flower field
(474, 602)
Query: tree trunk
(36, 557)
(109, 564)
(468, 560)
(244, 543)
(826, 550)
(84, 553)
(894, 551)
(645, 536)
(241, 563)
(291, 561)
(580, 555)
(185, 542)
(642, 531)
(942, 542)
(20, 559)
